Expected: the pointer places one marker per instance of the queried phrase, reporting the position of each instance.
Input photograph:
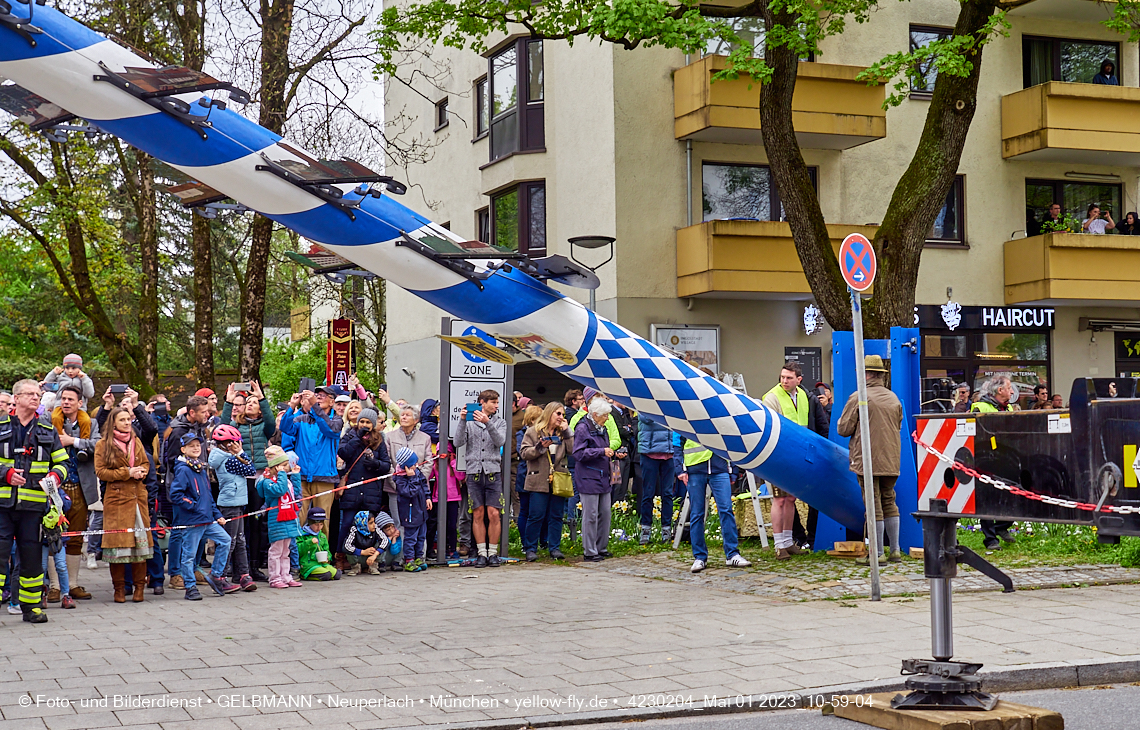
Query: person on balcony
(1051, 221)
(1107, 75)
(1097, 222)
(1130, 226)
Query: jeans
(656, 480)
(174, 552)
(238, 560)
(60, 559)
(545, 516)
(722, 494)
(524, 515)
(194, 537)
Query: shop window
(923, 75)
(1074, 198)
(516, 95)
(482, 108)
(441, 114)
(976, 356)
(741, 192)
(950, 225)
(517, 219)
(1064, 59)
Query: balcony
(1070, 268)
(746, 259)
(1077, 11)
(1073, 123)
(830, 109)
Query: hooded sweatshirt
(1107, 74)
(429, 424)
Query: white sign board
(966, 427)
(1059, 423)
(697, 345)
(467, 366)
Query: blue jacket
(368, 496)
(231, 473)
(191, 496)
(652, 437)
(411, 496)
(315, 441)
(272, 491)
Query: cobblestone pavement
(513, 642)
(799, 580)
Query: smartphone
(118, 388)
(242, 388)
(306, 384)
(160, 409)
(471, 408)
(51, 387)
(555, 439)
(384, 387)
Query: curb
(1047, 675)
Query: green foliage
(283, 364)
(18, 368)
(947, 56)
(1068, 224)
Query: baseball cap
(204, 392)
(343, 399)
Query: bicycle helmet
(226, 433)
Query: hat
(188, 437)
(73, 359)
(275, 456)
(333, 390)
(316, 514)
(588, 393)
(383, 519)
(406, 458)
(874, 364)
(343, 399)
(361, 522)
(524, 402)
(204, 392)
(369, 414)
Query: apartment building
(538, 142)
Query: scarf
(58, 421)
(361, 522)
(195, 464)
(125, 442)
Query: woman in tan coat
(545, 446)
(121, 462)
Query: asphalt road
(1109, 708)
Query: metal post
(444, 436)
(941, 619)
(508, 477)
(865, 440)
(593, 302)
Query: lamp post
(591, 243)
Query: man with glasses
(33, 463)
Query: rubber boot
(138, 575)
(119, 581)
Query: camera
(118, 388)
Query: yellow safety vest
(47, 455)
(797, 411)
(982, 407)
(695, 454)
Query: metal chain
(1014, 489)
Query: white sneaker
(738, 561)
(15, 610)
(698, 566)
(91, 561)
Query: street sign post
(858, 265)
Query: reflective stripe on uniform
(695, 454)
(7, 462)
(5, 491)
(31, 495)
(31, 589)
(60, 455)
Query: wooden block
(851, 546)
(845, 555)
(917, 553)
(1005, 716)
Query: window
(1074, 197)
(516, 73)
(974, 356)
(741, 192)
(482, 108)
(749, 30)
(441, 114)
(1060, 59)
(950, 225)
(517, 218)
(924, 74)
(483, 225)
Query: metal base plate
(920, 700)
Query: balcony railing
(1069, 267)
(1074, 123)
(830, 109)
(745, 259)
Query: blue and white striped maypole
(62, 65)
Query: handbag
(561, 483)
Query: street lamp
(591, 243)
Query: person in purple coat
(592, 454)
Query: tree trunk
(917, 199)
(922, 189)
(809, 232)
(276, 28)
(148, 263)
(203, 303)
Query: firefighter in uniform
(32, 465)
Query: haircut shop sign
(951, 316)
